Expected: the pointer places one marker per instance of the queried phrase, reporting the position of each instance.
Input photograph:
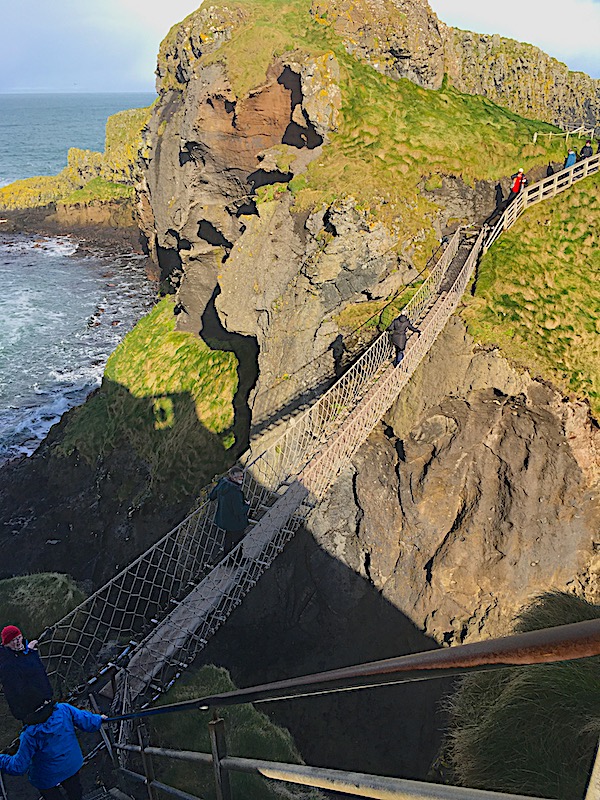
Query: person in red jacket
(519, 181)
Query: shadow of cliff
(310, 612)
(245, 348)
(111, 478)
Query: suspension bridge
(149, 622)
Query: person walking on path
(232, 508)
(519, 181)
(586, 151)
(23, 676)
(397, 330)
(570, 159)
(50, 753)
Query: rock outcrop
(405, 39)
(475, 497)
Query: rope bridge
(160, 611)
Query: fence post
(147, 764)
(218, 744)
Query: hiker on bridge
(570, 159)
(586, 151)
(397, 331)
(50, 753)
(519, 181)
(23, 676)
(232, 509)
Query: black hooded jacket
(24, 680)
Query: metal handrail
(359, 784)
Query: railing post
(147, 764)
(218, 745)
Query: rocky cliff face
(405, 39)
(480, 491)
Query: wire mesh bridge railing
(160, 611)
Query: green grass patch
(100, 190)
(530, 730)
(538, 292)
(375, 314)
(88, 175)
(249, 733)
(166, 395)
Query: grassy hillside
(167, 396)
(249, 734)
(538, 292)
(393, 135)
(530, 730)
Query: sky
(111, 45)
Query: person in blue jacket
(570, 159)
(50, 752)
(22, 674)
(232, 508)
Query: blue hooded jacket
(50, 751)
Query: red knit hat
(9, 633)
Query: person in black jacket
(586, 151)
(232, 508)
(397, 331)
(23, 676)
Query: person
(23, 676)
(398, 329)
(519, 181)
(570, 159)
(586, 151)
(232, 508)
(50, 752)
(549, 171)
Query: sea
(63, 309)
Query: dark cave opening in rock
(261, 177)
(212, 235)
(297, 135)
(247, 208)
(291, 81)
(245, 348)
(169, 262)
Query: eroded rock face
(521, 77)
(405, 39)
(401, 38)
(474, 499)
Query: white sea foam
(60, 318)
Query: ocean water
(37, 130)
(62, 311)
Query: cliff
(404, 38)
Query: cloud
(567, 32)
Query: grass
(88, 176)
(166, 395)
(530, 730)
(99, 190)
(538, 292)
(392, 134)
(249, 734)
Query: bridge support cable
(181, 585)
